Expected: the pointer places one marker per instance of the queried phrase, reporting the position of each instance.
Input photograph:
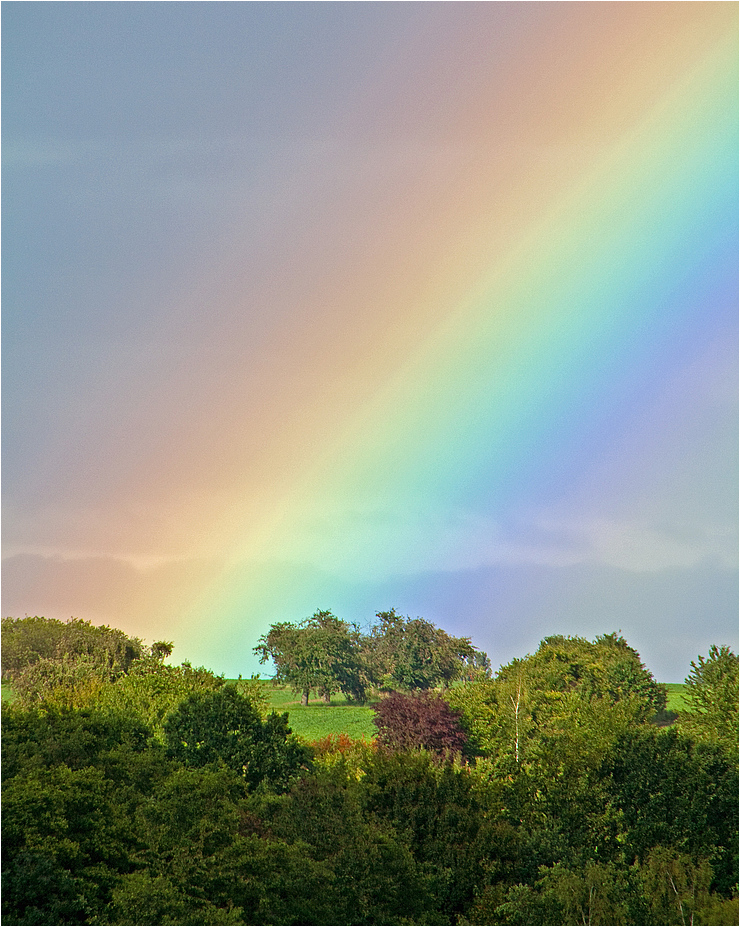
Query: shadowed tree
(321, 654)
(224, 727)
(411, 654)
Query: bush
(420, 721)
(223, 727)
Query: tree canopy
(568, 679)
(29, 641)
(321, 653)
(712, 698)
(326, 655)
(201, 808)
(411, 653)
(223, 727)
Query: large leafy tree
(70, 663)
(151, 690)
(71, 782)
(607, 668)
(26, 641)
(671, 790)
(63, 844)
(456, 835)
(223, 727)
(321, 654)
(412, 653)
(712, 698)
(78, 738)
(374, 878)
(208, 859)
(325, 654)
(669, 887)
(569, 683)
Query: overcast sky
(353, 306)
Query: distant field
(317, 720)
(676, 696)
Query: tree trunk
(304, 697)
(515, 706)
(327, 698)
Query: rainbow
(584, 249)
(463, 325)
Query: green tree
(26, 641)
(224, 727)
(100, 827)
(411, 654)
(64, 681)
(373, 875)
(712, 697)
(597, 893)
(152, 690)
(567, 683)
(189, 832)
(69, 664)
(675, 886)
(457, 836)
(665, 789)
(64, 841)
(36, 739)
(320, 654)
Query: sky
(355, 306)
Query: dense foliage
(70, 663)
(575, 809)
(411, 653)
(28, 642)
(326, 655)
(421, 720)
(569, 684)
(224, 728)
(711, 694)
(322, 653)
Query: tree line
(324, 654)
(555, 791)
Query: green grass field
(317, 720)
(675, 696)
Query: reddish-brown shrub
(421, 720)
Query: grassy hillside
(317, 720)
(676, 696)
